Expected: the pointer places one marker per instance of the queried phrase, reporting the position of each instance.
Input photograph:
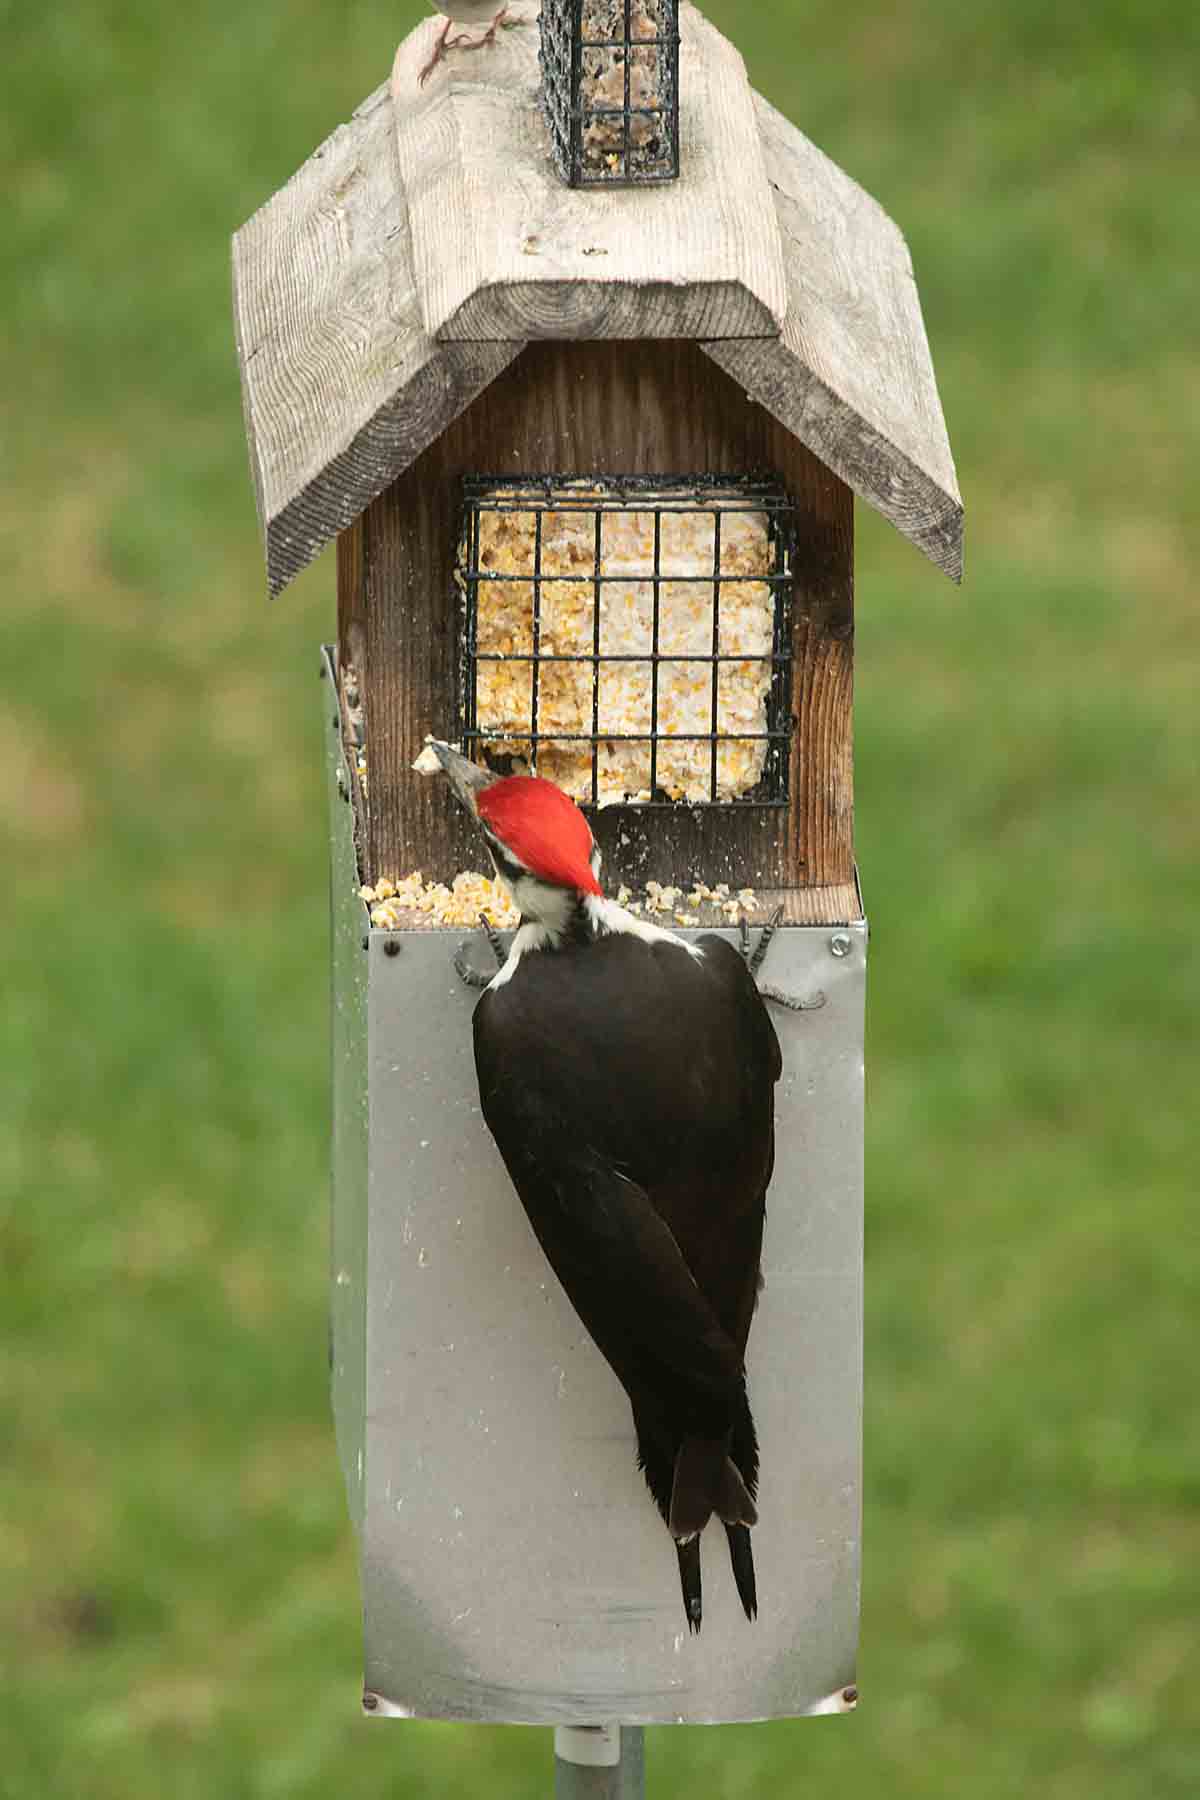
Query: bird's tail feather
(689, 1580)
(742, 1558)
(707, 1482)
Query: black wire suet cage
(610, 88)
(630, 638)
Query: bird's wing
(617, 1259)
(725, 964)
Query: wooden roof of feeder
(426, 242)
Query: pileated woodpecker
(627, 1077)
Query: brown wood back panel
(601, 409)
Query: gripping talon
(465, 971)
(793, 1004)
(501, 22)
(439, 51)
(756, 958)
(764, 941)
(445, 42)
(474, 978)
(494, 939)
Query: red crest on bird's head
(543, 828)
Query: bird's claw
(473, 978)
(439, 51)
(445, 42)
(501, 22)
(494, 939)
(756, 957)
(793, 1003)
(465, 970)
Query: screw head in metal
(370, 1701)
(391, 946)
(841, 943)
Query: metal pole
(599, 1762)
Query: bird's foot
(501, 22)
(495, 940)
(445, 42)
(757, 956)
(466, 970)
(793, 1002)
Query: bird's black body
(629, 1087)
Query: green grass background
(178, 1604)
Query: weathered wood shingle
(503, 249)
(342, 386)
(426, 242)
(851, 374)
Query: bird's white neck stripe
(606, 918)
(527, 937)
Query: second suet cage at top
(610, 89)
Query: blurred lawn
(177, 1586)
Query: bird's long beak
(466, 778)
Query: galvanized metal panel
(348, 1045)
(514, 1568)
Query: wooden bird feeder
(589, 456)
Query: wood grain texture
(608, 409)
(837, 905)
(502, 249)
(352, 599)
(851, 374)
(341, 384)
(352, 655)
(344, 384)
